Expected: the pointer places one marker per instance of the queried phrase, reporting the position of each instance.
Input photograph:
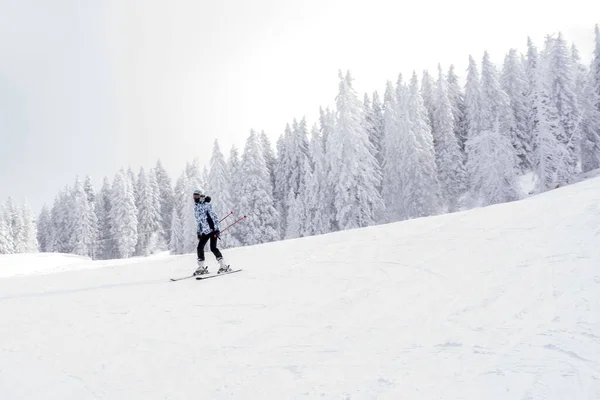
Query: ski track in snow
(500, 302)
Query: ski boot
(222, 266)
(202, 269)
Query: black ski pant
(202, 240)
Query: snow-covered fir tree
(425, 197)
(590, 114)
(269, 155)
(233, 166)
(90, 194)
(14, 218)
(61, 222)
(318, 199)
(562, 93)
(472, 103)
(492, 162)
(255, 196)
(176, 240)
(457, 101)
(392, 184)
(449, 160)
(83, 231)
(544, 121)
(299, 176)
(283, 172)
(30, 241)
(6, 239)
(165, 194)
(428, 91)
(103, 212)
(532, 71)
(219, 181)
(375, 126)
(44, 230)
(514, 82)
(123, 213)
(150, 238)
(354, 173)
(595, 68)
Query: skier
(208, 230)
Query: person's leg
(201, 244)
(201, 267)
(213, 247)
(218, 255)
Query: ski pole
(223, 219)
(232, 224)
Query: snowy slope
(494, 303)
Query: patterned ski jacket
(206, 219)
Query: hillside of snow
(500, 302)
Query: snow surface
(501, 302)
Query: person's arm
(214, 217)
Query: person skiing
(207, 230)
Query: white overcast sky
(87, 87)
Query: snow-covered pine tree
(428, 93)
(326, 126)
(255, 197)
(132, 180)
(31, 244)
(514, 83)
(493, 163)
(392, 185)
(449, 160)
(317, 202)
(157, 241)
(82, 233)
(14, 218)
(106, 249)
(543, 118)
(457, 101)
(590, 117)
(424, 198)
(176, 241)
(148, 206)
(298, 179)
(219, 181)
(269, 155)
(233, 166)
(472, 103)
(185, 189)
(43, 230)
(6, 240)
(595, 69)
(60, 220)
(406, 159)
(283, 167)
(355, 175)
(562, 93)
(124, 225)
(375, 126)
(271, 161)
(90, 193)
(532, 71)
(165, 194)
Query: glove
(199, 236)
(207, 199)
(217, 233)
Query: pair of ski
(206, 276)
